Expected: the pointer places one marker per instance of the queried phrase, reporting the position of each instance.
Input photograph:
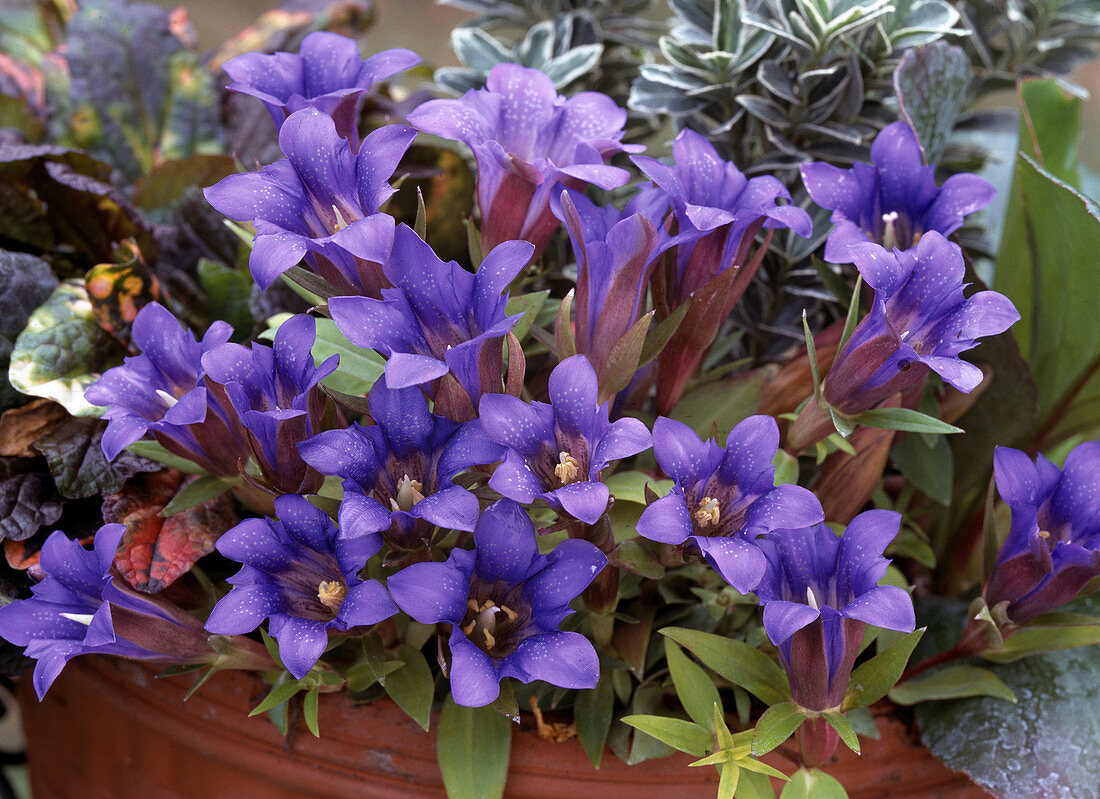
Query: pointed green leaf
(736, 661)
(278, 695)
(197, 492)
(951, 682)
(565, 344)
(592, 711)
(904, 419)
(473, 748)
(529, 305)
(844, 729)
(411, 686)
(309, 712)
(695, 689)
(870, 681)
(659, 336)
(813, 784)
(686, 736)
(778, 723)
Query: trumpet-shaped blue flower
(437, 318)
(614, 253)
(920, 320)
(819, 591)
(724, 498)
(165, 391)
(79, 608)
(275, 394)
(894, 200)
(504, 602)
(327, 74)
(398, 473)
(1053, 548)
(556, 452)
(529, 142)
(302, 575)
(319, 203)
(717, 213)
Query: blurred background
(424, 26)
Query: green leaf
(659, 336)
(844, 729)
(166, 183)
(358, 368)
(1050, 123)
(778, 723)
(694, 687)
(633, 556)
(197, 492)
(811, 351)
(565, 344)
(309, 712)
(931, 470)
(281, 693)
(722, 403)
(852, 317)
(1034, 640)
(529, 305)
(227, 293)
(951, 682)
(685, 736)
(786, 468)
(736, 661)
(930, 84)
(870, 681)
(474, 744)
(62, 351)
(154, 451)
(813, 784)
(622, 361)
(1047, 268)
(25, 283)
(362, 676)
(630, 486)
(751, 785)
(904, 419)
(592, 711)
(1047, 744)
(412, 686)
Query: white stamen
(568, 469)
(341, 223)
(81, 618)
(168, 398)
(811, 599)
(409, 492)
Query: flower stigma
(332, 593)
(568, 469)
(708, 513)
(889, 231)
(483, 620)
(811, 598)
(409, 492)
(340, 223)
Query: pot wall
(109, 729)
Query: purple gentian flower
(397, 473)
(504, 602)
(1053, 548)
(614, 253)
(724, 498)
(557, 451)
(79, 608)
(819, 591)
(718, 212)
(529, 142)
(438, 318)
(165, 391)
(327, 74)
(300, 573)
(894, 200)
(319, 203)
(920, 320)
(276, 395)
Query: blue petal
(667, 520)
(504, 540)
(431, 592)
(740, 562)
(366, 603)
(782, 619)
(474, 679)
(565, 659)
(301, 642)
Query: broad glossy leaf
(930, 84)
(1050, 124)
(79, 468)
(25, 283)
(722, 402)
(813, 784)
(62, 351)
(1047, 744)
(930, 469)
(28, 499)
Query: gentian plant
(464, 401)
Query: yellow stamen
(1044, 534)
(568, 469)
(332, 593)
(469, 628)
(472, 605)
(708, 513)
(490, 642)
(511, 614)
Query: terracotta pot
(110, 730)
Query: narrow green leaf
(309, 712)
(473, 748)
(420, 225)
(362, 676)
(813, 784)
(197, 492)
(786, 468)
(592, 711)
(951, 682)
(317, 289)
(565, 344)
(529, 305)
(686, 736)
(853, 315)
(811, 351)
(278, 695)
(873, 679)
(1033, 640)
(659, 336)
(695, 689)
(844, 729)
(729, 777)
(505, 704)
(411, 686)
(147, 448)
(778, 723)
(737, 662)
(622, 362)
(904, 419)
(633, 556)
(755, 786)
(473, 243)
